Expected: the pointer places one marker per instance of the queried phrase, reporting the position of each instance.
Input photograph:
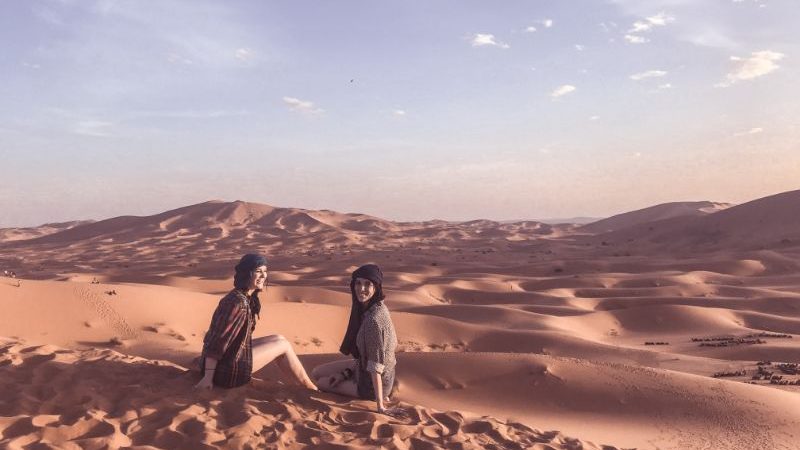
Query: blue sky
(405, 110)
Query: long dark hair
(372, 273)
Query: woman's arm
(228, 320)
(377, 383)
(207, 382)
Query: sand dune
(770, 222)
(504, 329)
(654, 214)
(92, 399)
(23, 234)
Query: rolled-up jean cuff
(374, 367)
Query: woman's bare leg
(347, 387)
(270, 348)
(332, 368)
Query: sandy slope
(523, 322)
(653, 214)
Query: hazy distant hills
(21, 234)
(773, 220)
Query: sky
(406, 110)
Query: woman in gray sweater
(371, 341)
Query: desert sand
(673, 327)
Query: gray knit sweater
(376, 342)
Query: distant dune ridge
(21, 234)
(670, 327)
(654, 214)
(770, 222)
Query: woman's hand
(394, 412)
(208, 375)
(205, 383)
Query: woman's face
(365, 289)
(259, 278)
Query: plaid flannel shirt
(229, 340)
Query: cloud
(633, 39)
(244, 54)
(607, 26)
(579, 47)
(302, 106)
(191, 114)
(664, 86)
(399, 112)
(749, 132)
(563, 90)
(93, 128)
(546, 23)
(646, 25)
(174, 58)
(658, 20)
(594, 118)
(711, 37)
(482, 40)
(648, 74)
(757, 65)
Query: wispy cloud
(633, 39)
(483, 40)
(302, 106)
(244, 54)
(95, 128)
(710, 37)
(648, 74)
(563, 90)
(544, 23)
(646, 25)
(750, 132)
(607, 26)
(658, 20)
(191, 114)
(756, 65)
(399, 112)
(760, 3)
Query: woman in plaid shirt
(230, 354)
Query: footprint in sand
(102, 308)
(161, 328)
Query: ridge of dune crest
(654, 213)
(772, 221)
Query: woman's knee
(273, 339)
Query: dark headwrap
(372, 273)
(245, 271)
